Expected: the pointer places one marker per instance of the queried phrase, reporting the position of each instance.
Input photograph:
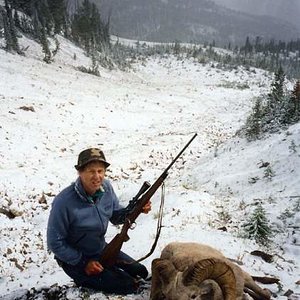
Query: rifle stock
(111, 250)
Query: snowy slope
(141, 119)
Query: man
(77, 225)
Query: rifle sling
(158, 228)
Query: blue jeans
(120, 279)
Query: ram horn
(165, 269)
(214, 269)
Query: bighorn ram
(196, 271)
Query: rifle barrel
(179, 154)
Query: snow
(141, 119)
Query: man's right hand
(93, 268)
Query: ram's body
(197, 271)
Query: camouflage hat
(89, 155)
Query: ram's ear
(213, 269)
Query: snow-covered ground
(141, 119)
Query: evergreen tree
(81, 29)
(45, 17)
(88, 29)
(45, 45)
(35, 21)
(253, 123)
(276, 103)
(248, 47)
(257, 226)
(257, 45)
(43, 25)
(58, 13)
(17, 20)
(277, 86)
(10, 31)
(7, 35)
(106, 35)
(294, 104)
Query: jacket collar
(83, 195)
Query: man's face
(92, 176)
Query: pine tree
(7, 35)
(45, 46)
(106, 35)
(294, 108)
(253, 123)
(248, 47)
(45, 17)
(10, 31)
(17, 20)
(58, 13)
(276, 102)
(81, 27)
(257, 227)
(88, 29)
(277, 86)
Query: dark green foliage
(275, 105)
(45, 45)
(277, 86)
(17, 20)
(176, 48)
(274, 111)
(257, 226)
(253, 123)
(10, 31)
(88, 29)
(58, 13)
(45, 18)
(269, 55)
(293, 105)
(247, 49)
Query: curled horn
(163, 272)
(213, 269)
(165, 269)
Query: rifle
(111, 250)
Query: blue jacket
(77, 225)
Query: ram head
(196, 271)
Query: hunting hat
(89, 155)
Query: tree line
(271, 55)
(44, 19)
(271, 46)
(278, 109)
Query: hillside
(191, 21)
(278, 9)
(141, 119)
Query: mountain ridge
(277, 9)
(190, 21)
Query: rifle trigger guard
(132, 225)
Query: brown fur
(198, 271)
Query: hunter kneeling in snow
(77, 225)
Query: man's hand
(147, 207)
(93, 268)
